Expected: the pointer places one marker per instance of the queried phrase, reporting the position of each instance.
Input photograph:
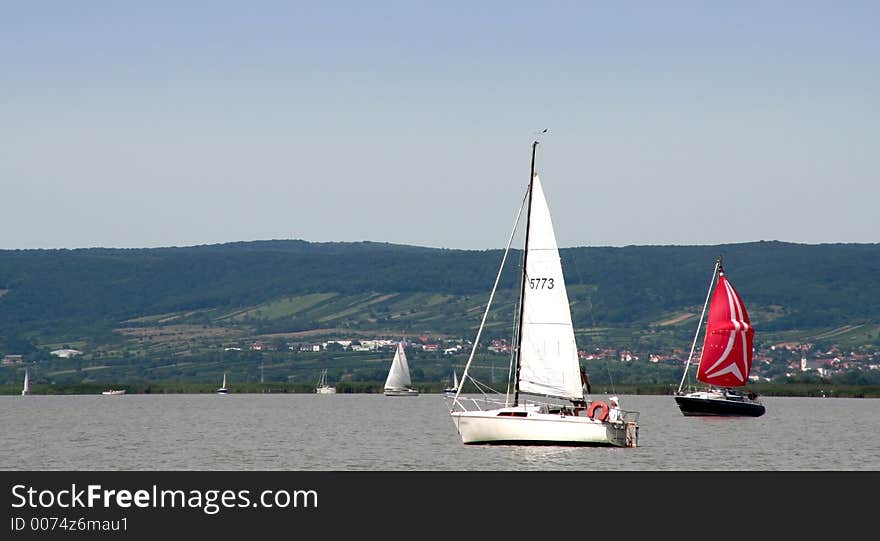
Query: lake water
(346, 432)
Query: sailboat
(26, 388)
(398, 382)
(323, 387)
(545, 362)
(726, 358)
(223, 389)
(454, 389)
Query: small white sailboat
(398, 382)
(454, 389)
(114, 392)
(223, 389)
(545, 364)
(323, 387)
(26, 388)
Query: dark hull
(690, 406)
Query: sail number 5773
(540, 283)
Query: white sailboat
(323, 387)
(454, 389)
(223, 389)
(398, 382)
(546, 363)
(26, 388)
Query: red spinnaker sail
(727, 351)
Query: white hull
(533, 427)
(114, 392)
(326, 390)
(401, 392)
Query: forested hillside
(58, 296)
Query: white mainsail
(398, 376)
(27, 384)
(548, 352)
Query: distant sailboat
(223, 389)
(454, 389)
(323, 387)
(398, 381)
(26, 389)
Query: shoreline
(779, 390)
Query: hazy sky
(145, 124)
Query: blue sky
(144, 124)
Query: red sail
(727, 351)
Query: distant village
(776, 363)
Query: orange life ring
(598, 405)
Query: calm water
(374, 432)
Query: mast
(700, 323)
(522, 290)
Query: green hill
(180, 303)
